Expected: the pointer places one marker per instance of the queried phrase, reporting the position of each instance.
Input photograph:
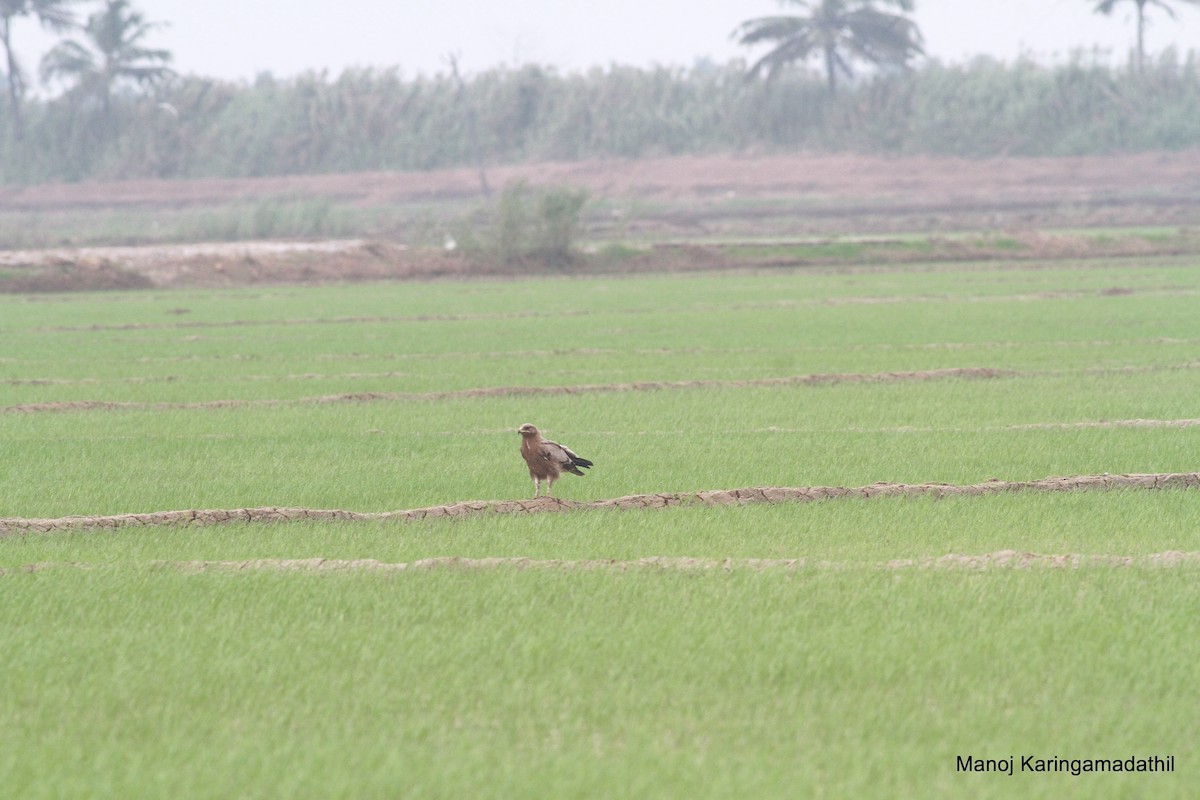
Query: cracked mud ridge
(815, 379)
(722, 497)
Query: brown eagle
(546, 459)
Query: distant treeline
(378, 119)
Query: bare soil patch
(681, 198)
(818, 379)
(970, 373)
(223, 265)
(948, 181)
(219, 264)
(721, 497)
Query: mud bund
(721, 497)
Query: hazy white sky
(238, 39)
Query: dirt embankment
(723, 497)
(964, 373)
(265, 263)
(951, 182)
(812, 379)
(221, 264)
(718, 197)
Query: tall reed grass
(370, 119)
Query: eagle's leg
(549, 486)
(537, 487)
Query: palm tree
(52, 14)
(112, 53)
(837, 30)
(1107, 6)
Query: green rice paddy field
(136, 665)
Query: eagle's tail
(577, 463)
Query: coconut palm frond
(794, 40)
(838, 30)
(882, 38)
(111, 52)
(66, 59)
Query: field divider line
(1190, 422)
(1000, 559)
(969, 373)
(832, 301)
(812, 379)
(721, 497)
(378, 319)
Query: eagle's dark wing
(564, 457)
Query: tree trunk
(831, 70)
(14, 77)
(1141, 44)
(472, 130)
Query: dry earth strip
(722, 497)
(526, 391)
(817, 379)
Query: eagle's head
(527, 430)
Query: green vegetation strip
(672, 651)
(967, 373)
(518, 391)
(723, 497)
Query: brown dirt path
(802, 194)
(811, 379)
(973, 373)
(945, 180)
(721, 497)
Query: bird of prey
(546, 459)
